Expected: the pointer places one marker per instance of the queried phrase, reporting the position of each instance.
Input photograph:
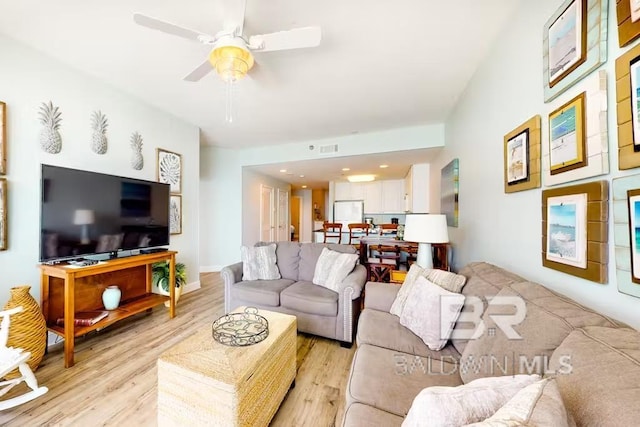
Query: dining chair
(356, 230)
(332, 232)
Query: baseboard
(190, 287)
(211, 268)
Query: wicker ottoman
(202, 382)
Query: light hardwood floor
(114, 380)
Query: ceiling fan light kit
(231, 61)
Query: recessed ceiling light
(283, 170)
(346, 169)
(304, 186)
(384, 166)
(301, 176)
(361, 178)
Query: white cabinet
(372, 197)
(357, 191)
(393, 196)
(417, 189)
(342, 191)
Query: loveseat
(594, 360)
(319, 311)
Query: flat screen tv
(85, 213)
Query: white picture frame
(169, 169)
(565, 42)
(567, 230)
(175, 214)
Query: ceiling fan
(230, 53)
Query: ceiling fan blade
(167, 27)
(283, 40)
(200, 71)
(234, 15)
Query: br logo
(504, 322)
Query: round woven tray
(240, 329)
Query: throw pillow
(259, 262)
(538, 404)
(468, 403)
(445, 279)
(431, 312)
(332, 267)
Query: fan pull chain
(229, 89)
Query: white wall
(221, 180)
(306, 221)
(251, 184)
(28, 78)
(506, 229)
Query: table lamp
(84, 217)
(426, 229)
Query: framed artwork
(169, 169)
(575, 231)
(522, 157)
(3, 138)
(627, 97)
(634, 71)
(3, 214)
(574, 44)
(175, 214)
(628, 14)
(626, 223)
(449, 187)
(567, 36)
(567, 229)
(567, 136)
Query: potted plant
(161, 278)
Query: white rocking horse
(11, 358)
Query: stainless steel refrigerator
(348, 211)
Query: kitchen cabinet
(393, 196)
(387, 196)
(373, 197)
(417, 189)
(342, 191)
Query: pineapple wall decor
(137, 162)
(50, 118)
(99, 125)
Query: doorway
(296, 206)
(267, 217)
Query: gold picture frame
(591, 226)
(527, 175)
(3, 215)
(169, 169)
(3, 138)
(627, 13)
(567, 141)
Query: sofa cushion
(430, 312)
(309, 298)
(390, 380)
(384, 330)
(309, 254)
(598, 373)
(483, 280)
(538, 404)
(259, 262)
(359, 415)
(464, 404)
(548, 319)
(332, 267)
(263, 292)
(288, 254)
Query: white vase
(111, 297)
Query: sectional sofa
(595, 360)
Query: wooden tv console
(66, 289)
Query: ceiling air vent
(328, 149)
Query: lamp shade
(426, 228)
(83, 216)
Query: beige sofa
(595, 360)
(320, 311)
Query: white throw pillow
(259, 262)
(332, 267)
(468, 403)
(538, 404)
(431, 312)
(445, 279)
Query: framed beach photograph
(3, 214)
(169, 169)
(567, 37)
(634, 71)
(567, 136)
(575, 230)
(634, 232)
(518, 158)
(175, 214)
(567, 230)
(626, 232)
(3, 138)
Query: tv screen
(84, 213)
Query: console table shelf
(66, 290)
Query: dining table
(365, 241)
